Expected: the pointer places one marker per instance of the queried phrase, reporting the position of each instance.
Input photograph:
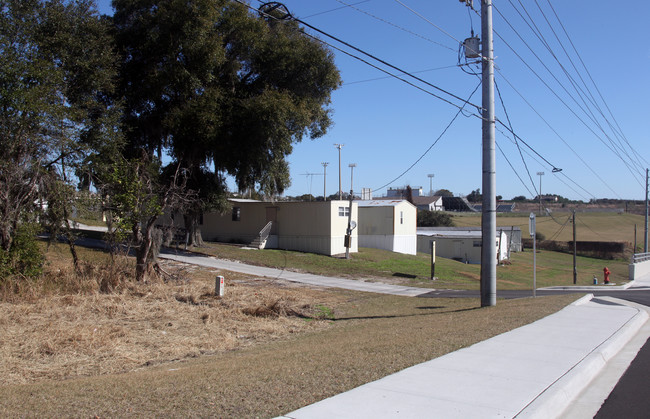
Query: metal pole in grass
(433, 260)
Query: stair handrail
(264, 233)
(640, 257)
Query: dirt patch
(63, 335)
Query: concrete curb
(557, 397)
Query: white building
(389, 225)
(463, 245)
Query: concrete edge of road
(602, 287)
(557, 397)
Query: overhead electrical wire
(460, 107)
(428, 21)
(513, 168)
(591, 78)
(332, 10)
(478, 108)
(581, 93)
(394, 25)
(555, 170)
(464, 102)
(432, 145)
(505, 111)
(556, 133)
(388, 77)
(549, 87)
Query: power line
(432, 145)
(505, 111)
(513, 168)
(557, 134)
(592, 80)
(290, 16)
(581, 93)
(394, 25)
(550, 88)
(478, 108)
(388, 77)
(428, 21)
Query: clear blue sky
(386, 125)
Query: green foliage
(428, 218)
(133, 194)
(519, 198)
(215, 85)
(56, 68)
(475, 196)
(25, 257)
(443, 192)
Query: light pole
(339, 146)
(430, 176)
(348, 232)
(324, 179)
(540, 174)
(352, 166)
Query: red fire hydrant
(606, 272)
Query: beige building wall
(391, 227)
(313, 227)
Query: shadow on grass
(397, 316)
(403, 275)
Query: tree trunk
(192, 227)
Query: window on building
(478, 243)
(401, 217)
(344, 211)
(236, 213)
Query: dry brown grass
(101, 322)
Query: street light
(348, 231)
(352, 166)
(324, 179)
(339, 146)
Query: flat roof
(380, 202)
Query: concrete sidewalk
(534, 371)
(304, 278)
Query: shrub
(434, 219)
(24, 258)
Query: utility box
(472, 49)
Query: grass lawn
(172, 349)
(553, 268)
(369, 337)
(589, 226)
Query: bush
(428, 218)
(24, 258)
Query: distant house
(461, 244)
(316, 227)
(457, 203)
(429, 203)
(388, 224)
